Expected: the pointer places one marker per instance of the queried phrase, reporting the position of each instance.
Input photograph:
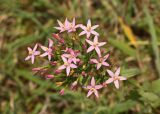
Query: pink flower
(62, 27)
(88, 30)
(95, 45)
(101, 61)
(32, 53)
(115, 77)
(72, 56)
(67, 65)
(73, 26)
(61, 92)
(48, 50)
(93, 88)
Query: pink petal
(105, 64)
(89, 93)
(117, 72)
(58, 28)
(95, 33)
(88, 34)
(73, 66)
(99, 65)
(90, 42)
(110, 73)
(83, 27)
(68, 70)
(94, 27)
(32, 59)
(94, 60)
(98, 86)
(27, 58)
(36, 52)
(89, 23)
(64, 59)
(50, 43)
(49, 57)
(29, 49)
(98, 51)
(73, 22)
(96, 93)
(82, 33)
(95, 39)
(106, 57)
(102, 43)
(116, 83)
(66, 55)
(35, 47)
(110, 80)
(92, 81)
(122, 78)
(60, 23)
(44, 54)
(88, 87)
(90, 49)
(62, 67)
(44, 48)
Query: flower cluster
(75, 60)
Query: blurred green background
(132, 30)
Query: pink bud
(53, 63)
(84, 46)
(49, 76)
(84, 73)
(74, 84)
(57, 71)
(61, 92)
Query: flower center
(89, 28)
(116, 78)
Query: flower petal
(44, 48)
(110, 80)
(117, 72)
(95, 39)
(105, 64)
(44, 54)
(35, 47)
(73, 66)
(98, 86)
(89, 93)
(94, 27)
(110, 73)
(68, 70)
(122, 78)
(90, 49)
(98, 51)
(90, 42)
(116, 83)
(50, 43)
(101, 44)
(99, 65)
(82, 33)
(96, 93)
(62, 67)
(88, 34)
(64, 59)
(89, 23)
(105, 57)
(27, 58)
(92, 81)
(49, 57)
(94, 60)
(32, 59)
(95, 33)
(36, 52)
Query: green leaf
(123, 47)
(155, 86)
(130, 72)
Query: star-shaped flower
(62, 27)
(67, 65)
(88, 30)
(93, 88)
(101, 61)
(72, 26)
(32, 53)
(115, 77)
(95, 45)
(48, 50)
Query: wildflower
(62, 27)
(49, 76)
(32, 53)
(93, 88)
(57, 37)
(48, 51)
(67, 65)
(95, 45)
(74, 85)
(72, 56)
(101, 61)
(115, 77)
(73, 26)
(88, 30)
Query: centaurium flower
(48, 50)
(88, 30)
(32, 53)
(95, 45)
(101, 61)
(62, 27)
(114, 77)
(93, 88)
(67, 65)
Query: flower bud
(61, 92)
(57, 71)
